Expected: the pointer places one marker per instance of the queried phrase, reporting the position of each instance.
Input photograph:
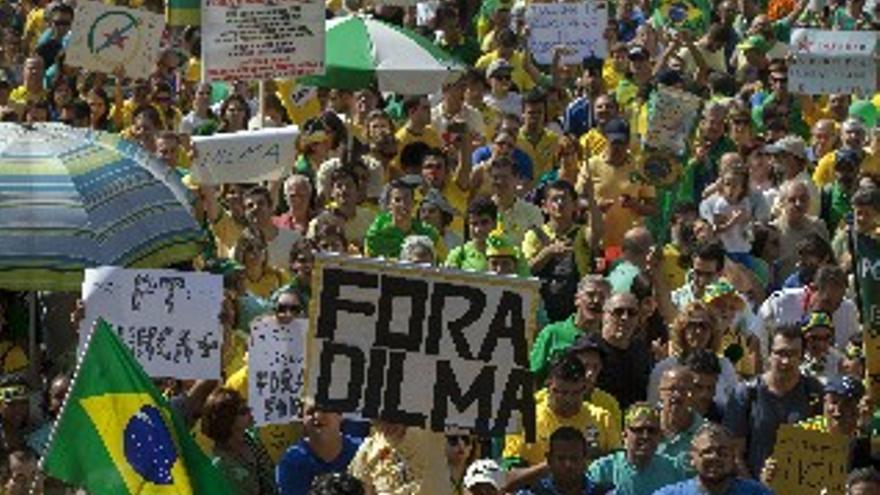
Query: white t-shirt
(736, 239)
(786, 307)
(279, 248)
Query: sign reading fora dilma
(424, 347)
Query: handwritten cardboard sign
(104, 37)
(672, 115)
(425, 347)
(261, 39)
(276, 367)
(578, 26)
(169, 319)
(809, 461)
(826, 62)
(245, 157)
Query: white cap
(484, 471)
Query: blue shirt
(299, 466)
(522, 164)
(546, 487)
(579, 117)
(738, 487)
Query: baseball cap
(498, 66)
(848, 387)
(756, 42)
(793, 145)
(848, 156)
(817, 319)
(616, 130)
(484, 471)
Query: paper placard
(245, 157)
(578, 26)
(169, 319)
(425, 347)
(809, 461)
(276, 367)
(104, 37)
(262, 39)
(671, 118)
(828, 62)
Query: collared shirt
(542, 152)
(614, 469)
(678, 447)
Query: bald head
(637, 242)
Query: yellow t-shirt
(20, 96)
(458, 198)
(672, 271)
(598, 398)
(532, 245)
(610, 75)
(226, 233)
(519, 76)
(34, 26)
(271, 280)
(594, 421)
(543, 152)
(824, 173)
(613, 183)
(406, 136)
(594, 143)
(14, 358)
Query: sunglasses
(502, 77)
(621, 311)
(289, 308)
(453, 440)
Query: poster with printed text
(867, 264)
(424, 347)
(169, 319)
(246, 157)
(261, 39)
(828, 62)
(276, 367)
(104, 37)
(672, 114)
(578, 26)
(809, 461)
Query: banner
(276, 367)
(245, 157)
(672, 114)
(867, 263)
(262, 39)
(424, 347)
(827, 62)
(104, 37)
(809, 461)
(578, 26)
(169, 319)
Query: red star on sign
(115, 37)
(804, 44)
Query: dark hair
(862, 475)
(219, 413)
(815, 245)
(567, 434)
(787, 331)
(536, 96)
(567, 367)
(506, 37)
(642, 287)
(62, 8)
(336, 484)
(483, 206)
(712, 251)
(336, 128)
(411, 102)
(761, 237)
(260, 191)
(437, 153)
(868, 197)
(105, 119)
(413, 154)
(224, 124)
(561, 185)
(149, 112)
(341, 173)
(702, 361)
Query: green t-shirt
(384, 239)
(551, 340)
(615, 469)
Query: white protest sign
(276, 367)
(244, 157)
(829, 62)
(262, 39)
(169, 319)
(424, 347)
(104, 37)
(578, 26)
(671, 117)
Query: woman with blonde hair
(694, 328)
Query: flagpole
(63, 408)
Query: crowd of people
(684, 318)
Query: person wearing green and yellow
(385, 236)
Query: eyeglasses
(289, 308)
(502, 77)
(621, 311)
(454, 440)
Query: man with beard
(637, 470)
(713, 457)
(589, 299)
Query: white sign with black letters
(276, 367)
(169, 319)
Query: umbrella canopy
(361, 50)
(72, 199)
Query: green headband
(639, 411)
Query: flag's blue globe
(149, 448)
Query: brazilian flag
(117, 435)
(690, 15)
(183, 12)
